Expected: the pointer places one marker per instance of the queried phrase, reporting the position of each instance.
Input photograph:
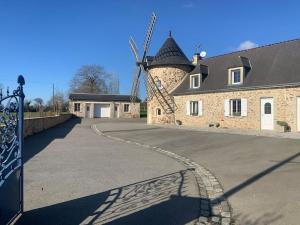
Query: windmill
(141, 62)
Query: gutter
(287, 85)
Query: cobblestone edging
(213, 211)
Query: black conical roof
(170, 54)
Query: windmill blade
(149, 34)
(134, 49)
(136, 84)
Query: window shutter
(226, 107)
(244, 107)
(188, 108)
(200, 108)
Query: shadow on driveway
(160, 200)
(37, 142)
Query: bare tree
(39, 104)
(60, 102)
(114, 84)
(94, 79)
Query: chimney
(196, 58)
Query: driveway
(75, 176)
(260, 175)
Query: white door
(267, 113)
(101, 110)
(298, 113)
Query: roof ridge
(262, 46)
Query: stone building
(103, 106)
(256, 89)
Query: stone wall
(171, 77)
(285, 108)
(35, 125)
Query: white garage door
(101, 110)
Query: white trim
(232, 76)
(226, 107)
(187, 108)
(192, 83)
(244, 107)
(200, 108)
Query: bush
(282, 123)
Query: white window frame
(194, 108)
(124, 109)
(229, 107)
(235, 107)
(232, 73)
(192, 81)
(77, 107)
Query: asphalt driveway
(75, 176)
(260, 175)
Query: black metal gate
(11, 151)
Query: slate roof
(266, 66)
(100, 97)
(170, 54)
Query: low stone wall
(35, 125)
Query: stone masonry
(213, 108)
(170, 77)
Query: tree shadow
(161, 200)
(37, 142)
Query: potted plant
(283, 126)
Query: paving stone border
(214, 207)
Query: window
(126, 107)
(195, 81)
(158, 84)
(194, 108)
(235, 107)
(236, 76)
(76, 107)
(158, 111)
(268, 108)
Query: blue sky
(48, 41)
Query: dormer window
(235, 76)
(195, 81)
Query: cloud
(247, 45)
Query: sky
(48, 41)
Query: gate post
(21, 82)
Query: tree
(39, 104)
(114, 84)
(27, 106)
(60, 102)
(94, 79)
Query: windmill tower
(162, 74)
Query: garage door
(101, 110)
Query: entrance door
(87, 112)
(298, 113)
(116, 111)
(102, 110)
(267, 113)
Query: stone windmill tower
(165, 70)
(162, 74)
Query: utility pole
(53, 98)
